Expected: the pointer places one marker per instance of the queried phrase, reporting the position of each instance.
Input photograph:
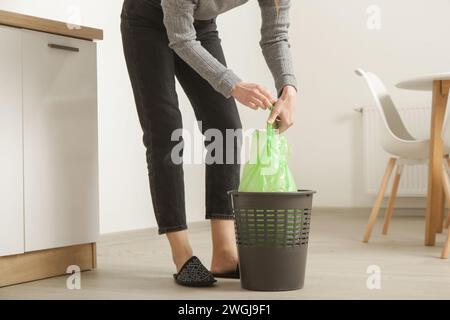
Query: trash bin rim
(299, 192)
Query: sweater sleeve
(274, 42)
(179, 23)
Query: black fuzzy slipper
(194, 274)
(229, 275)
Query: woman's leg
(216, 112)
(180, 246)
(150, 65)
(225, 257)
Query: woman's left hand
(282, 115)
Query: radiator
(414, 178)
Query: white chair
(395, 140)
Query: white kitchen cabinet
(60, 141)
(11, 160)
(49, 207)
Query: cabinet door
(60, 141)
(11, 164)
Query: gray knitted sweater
(179, 16)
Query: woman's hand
(282, 115)
(252, 95)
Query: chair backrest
(446, 125)
(393, 126)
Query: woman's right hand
(252, 95)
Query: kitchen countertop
(18, 20)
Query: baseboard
(42, 264)
(398, 212)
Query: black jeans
(152, 67)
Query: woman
(164, 39)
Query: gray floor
(137, 265)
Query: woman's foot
(190, 271)
(225, 265)
(181, 248)
(194, 274)
(225, 257)
(180, 258)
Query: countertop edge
(18, 20)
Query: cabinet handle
(61, 47)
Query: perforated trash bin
(272, 233)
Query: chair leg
(446, 249)
(379, 199)
(441, 219)
(392, 198)
(447, 222)
(446, 185)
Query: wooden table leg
(435, 189)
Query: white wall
(329, 40)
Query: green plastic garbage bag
(267, 170)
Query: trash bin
(272, 233)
